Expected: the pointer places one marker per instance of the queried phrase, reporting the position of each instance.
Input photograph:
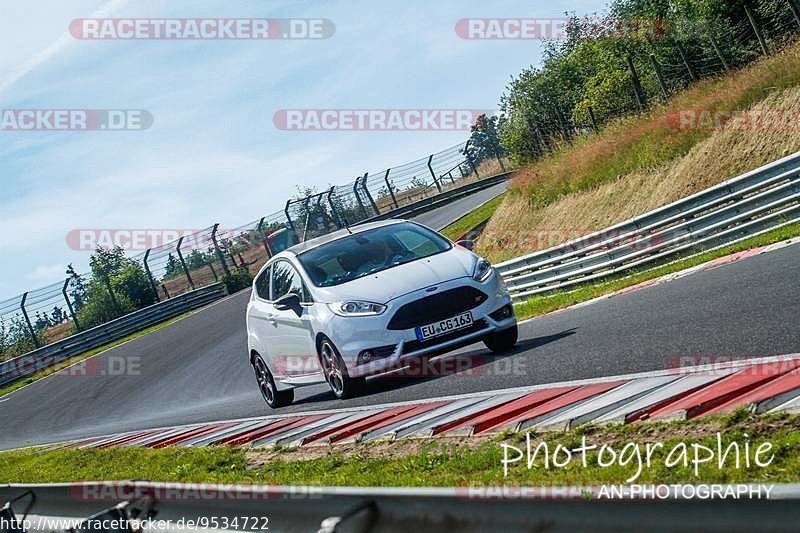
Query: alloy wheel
(264, 380)
(333, 371)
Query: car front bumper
(395, 348)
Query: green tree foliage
(484, 140)
(172, 268)
(588, 72)
(119, 285)
(14, 337)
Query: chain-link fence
(640, 71)
(121, 284)
(118, 284)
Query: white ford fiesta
(368, 300)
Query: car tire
(335, 372)
(502, 341)
(266, 384)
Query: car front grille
(413, 346)
(445, 304)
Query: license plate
(447, 325)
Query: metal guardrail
(45, 357)
(439, 200)
(745, 206)
(42, 358)
(492, 508)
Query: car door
(261, 316)
(293, 347)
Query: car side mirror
(289, 300)
(466, 243)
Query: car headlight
(483, 270)
(357, 308)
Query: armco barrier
(470, 508)
(439, 200)
(28, 364)
(758, 201)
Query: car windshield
(365, 253)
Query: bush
(237, 280)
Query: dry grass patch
(580, 190)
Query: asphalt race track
(196, 369)
(444, 216)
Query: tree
(78, 289)
(57, 316)
(119, 285)
(484, 141)
(172, 268)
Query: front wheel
(502, 341)
(266, 383)
(335, 371)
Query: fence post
(433, 174)
(795, 10)
(114, 302)
(150, 275)
(760, 37)
(358, 198)
(69, 305)
(685, 59)
(637, 86)
(593, 119)
(497, 155)
(214, 272)
(719, 53)
(183, 263)
(389, 186)
(566, 131)
(369, 194)
(469, 158)
(305, 223)
(659, 77)
(334, 213)
(264, 239)
(28, 321)
(220, 255)
(289, 218)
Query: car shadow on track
(472, 364)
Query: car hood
(382, 287)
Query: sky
(213, 153)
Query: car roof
(310, 244)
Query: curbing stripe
(768, 395)
(766, 384)
(661, 396)
(604, 403)
(561, 403)
(488, 418)
(727, 388)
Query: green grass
(86, 355)
(472, 220)
(546, 303)
(643, 141)
(473, 463)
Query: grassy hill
(641, 162)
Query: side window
(285, 279)
(262, 284)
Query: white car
(367, 300)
